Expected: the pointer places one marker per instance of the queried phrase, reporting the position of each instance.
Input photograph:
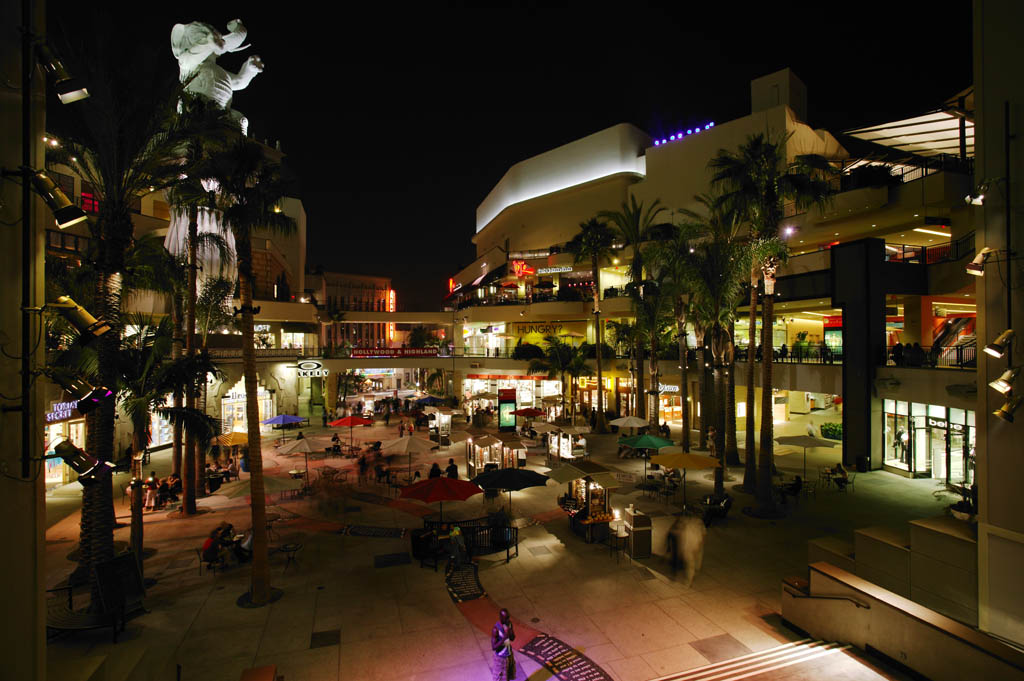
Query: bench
(121, 591)
(61, 617)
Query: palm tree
(147, 375)
(594, 243)
(121, 144)
(718, 268)
(673, 254)
(576, 369)
(556, 363)
(652, 301)
(251, 189)
(636, 225)
(628, 334)
(757, 181)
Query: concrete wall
(1000, 475)
(929, 643)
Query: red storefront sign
(508, 394)
(358, 353)
(834, 322)
(521, 269)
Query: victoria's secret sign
(61, 411)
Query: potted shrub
(832, 431)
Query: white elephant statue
(196, 46)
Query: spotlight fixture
(88, 467)
(977, 197)
(68, 89)
(1005, 412)
(998, 347)
(86, 397)
(88, 327)
(1005, 382)
(977, 266)
(64, 212)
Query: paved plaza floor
(353, 610)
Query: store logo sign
(666, 388)
(555, 270)
(311, 369)
(61, 411)
(521, 269)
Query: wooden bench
(61, 617)
(267, 672)
(121, 592)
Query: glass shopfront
(56, 472)
(233, 408)
(929, 441)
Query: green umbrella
(645, 442)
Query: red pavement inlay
(548, 516)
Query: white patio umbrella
(459, 436)
(543, 427)
(296, 447)
(633, 422)
(407, 445)
(804, 441)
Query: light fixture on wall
(977, 266)
(87, 466)
(68, 89)
(88, 327)
(64, 212)
(998, 347)
(1005, 382)
(1005, 412)
(86, 396)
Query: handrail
(796, 593)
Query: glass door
(937, 452)
(957, 458)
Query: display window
(55, 470)
(929, 441)
(233, 408)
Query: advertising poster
(506, 405)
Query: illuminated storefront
(62, 422)
(530, 391)
(928, 441)
(233, 405)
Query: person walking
(401, 428)
(387, 417)
(451, 470)
(435, 471)
(502, 635)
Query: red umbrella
(529, 412)
(442, 490)
(351, 422)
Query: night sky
(398, 121)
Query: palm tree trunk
(601, 426)
(718, 421)
(135, 536)
(96, 539)
(176, 350)
(641, 404)
(260, 589)
(684, 387)
(706, 396)
(197, 457)
(732, 454)
(655, 401)
(750, 463)
(766, 504)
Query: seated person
(791, 489)
(243, 548)
(163, 493)
(300, 436)
(174, 483)
(840, 476)
(213, 550)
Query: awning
(932, 134)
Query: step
(76, 668)
(754, 664)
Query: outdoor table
(289, 550)
(271, 519)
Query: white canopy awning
(928, 135)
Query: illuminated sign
(311, 369)
(453, 285)
(506, 405)
(666, 388)
(554, 270)
(393, 352)
(392, 307)
(61, 411)
(260, 328)
(521, 269)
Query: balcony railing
(264, 353)
(798, 355)
(935, 357)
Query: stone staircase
(125, 661)
(763, 665)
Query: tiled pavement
(398, 623)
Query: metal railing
(813, 354)
(950, 251)
(934, 357)
(264, 353)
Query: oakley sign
(311, 369)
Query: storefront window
(233, 406)
(293, 340)
(932, 441)
(56, 472)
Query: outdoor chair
(211, 565)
